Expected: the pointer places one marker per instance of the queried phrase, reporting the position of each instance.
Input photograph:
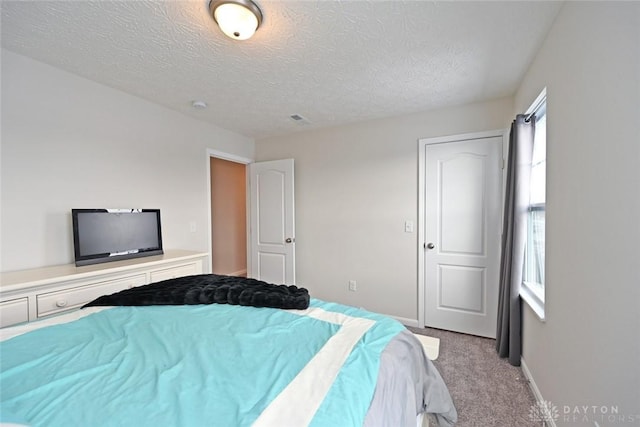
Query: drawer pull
(61, 303)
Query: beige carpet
(431, 345)
(487, 390)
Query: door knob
(288, 240)
(430, 245)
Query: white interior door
(272, 222)
(462, 204)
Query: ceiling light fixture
(238, 19)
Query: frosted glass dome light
(238, 19)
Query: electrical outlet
(352, 286)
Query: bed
(217, 365)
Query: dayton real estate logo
(544, 412)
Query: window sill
(533, 298)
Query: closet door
(461, 240)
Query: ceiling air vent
(299, 119)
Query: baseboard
(534, 389)
(406, 321)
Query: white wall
(588, 351)
(354, 188)
(68, 142)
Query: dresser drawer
(14, 311)
(173, 272)
(55, 302)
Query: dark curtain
(514, 234)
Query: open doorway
(228, 217)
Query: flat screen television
(104, 235)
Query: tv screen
(103, 235)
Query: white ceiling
(333, 62)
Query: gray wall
(588, 350)
(68, 142)
(354, 188)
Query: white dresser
(28, 295)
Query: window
(533, 277)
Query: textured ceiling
(333, 62)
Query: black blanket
(208, 289)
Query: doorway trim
(422, 148)
(232, 158)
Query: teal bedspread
(204, 365)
